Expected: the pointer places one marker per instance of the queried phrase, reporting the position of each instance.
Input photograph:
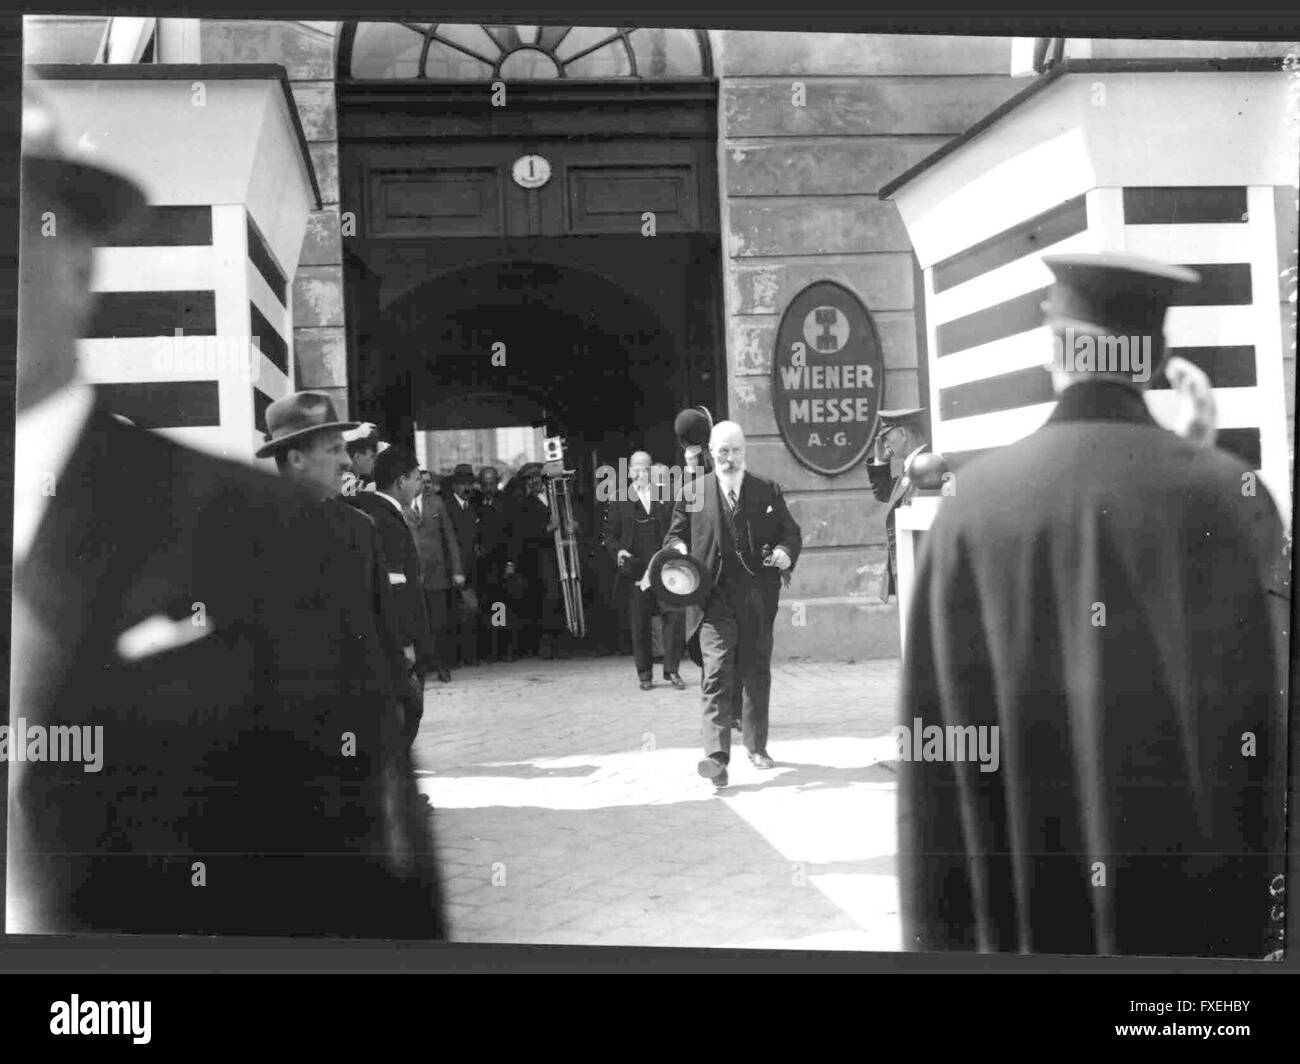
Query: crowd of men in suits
(482, 580)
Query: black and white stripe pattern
(989, 347)
(190, 331)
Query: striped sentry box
(192, 334)
(1183, 166)
(189, 336)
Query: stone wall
(307, 52)
(812, 125)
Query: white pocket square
(769, 509)
(397, 578)
(157, 634)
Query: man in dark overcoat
(200, 619)
(737, 526)
(531, 555)
(442, 572)
(397, 483)
(493, 545)
(1092, 613)
(463, 620)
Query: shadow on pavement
(519, 770)
(688, 874)
(806, 777)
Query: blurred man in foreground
(1092, 610)
(167, 602)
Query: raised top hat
(297, 415)
(55, 176)
(693, 426)
(463, 471)
(1109, 292)
(678, 580)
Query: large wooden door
(430, 168)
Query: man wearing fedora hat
(900, 434)
(1093, 602)
(166, 599)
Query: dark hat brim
(677, 600)
(101, 201)
(288, 439)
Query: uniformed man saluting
(901, 434)
(1093, 608)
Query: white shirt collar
(907, 462)
(644, 494)
(45, 435)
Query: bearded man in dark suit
(204, 620)
(737, 525)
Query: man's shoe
(761, 761)
(713, 769)
(647, 685)
(444, 676)
(676, 681)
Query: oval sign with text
(827, 378)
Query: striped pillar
(1106, 160)
(192, 335)
(188, 336)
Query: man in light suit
(634, 532)
(737, 525)
(901, 435)
(176, 603)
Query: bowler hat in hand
(679, 580)
(289, 419)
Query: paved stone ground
(569, 810)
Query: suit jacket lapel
(714, 516)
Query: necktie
(731, 498)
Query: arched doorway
(506, 344)
(573, 219)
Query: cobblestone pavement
(570, 811)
